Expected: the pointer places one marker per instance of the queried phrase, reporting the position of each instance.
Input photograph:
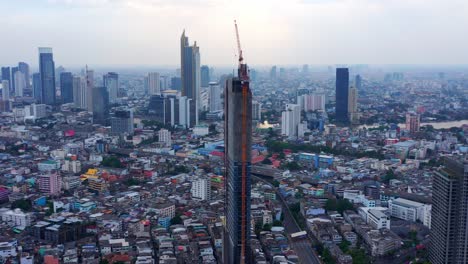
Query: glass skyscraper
(205, 76)
(37, 87)
(47, 74)
(342, 94)
(100, 106)
(66, 87)
(111, 82)
(190, 74)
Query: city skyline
(318, 32)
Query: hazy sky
(147, 32)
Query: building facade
(190, 74)
(111, 82)
(449, 224)
(47, 75)
(101, 106)
(238, 144)
(66, 87)
(342, 94)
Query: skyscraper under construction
(238, 143)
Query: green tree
(112, 161)
(267, 227)
(277, 223)
(276, 183)
(327, 257)
(23, 204)
(176, 220)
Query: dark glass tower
(101, 106)
(342, 94)
(66, 87)
(47, 72)
(238, 142)
(205, 76)
(190, 74)
(13, 84)
(37, 87)
(449, 217)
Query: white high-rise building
(154, 87)
(5, 90)
(16, 217)
(79, 92)
(20, 83)
(215, 97)
(290, 119)
(35, 111)
(312, 102)
(256, 111)
(165, 137)
(201, 189)
(353, 106)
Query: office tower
(14, 70)
(5, 90)
(311, 102)
(47, 75)
(154, 84)
(37, 87)
(449, 222)
(20, 83)
(273, 73)
(79, 92)
(58, 71)
(215, 97)
(50, 184)
(352, 106)
(205, 76)
(190, 74)
(157, 108)
(238, 144)
(201, 189)
(176, 83)
(358, 82)
(111, 82)
(412, 122)
(122, 122)
(24, 68)
(256, 111)
(100, 106)
(164, 136)
(79, 89)
(164, 83)
(89, 89)
(6, 74)
(66, 87)
(342, 94)
(290, 119)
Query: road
(303, 248)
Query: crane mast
(243, 71)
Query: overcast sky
(147, 32)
